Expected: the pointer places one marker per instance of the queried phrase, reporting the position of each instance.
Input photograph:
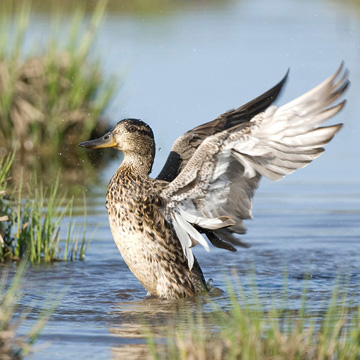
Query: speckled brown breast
(146, 241)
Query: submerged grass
(250, 331)
(31, 228)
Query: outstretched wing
(186, 145)
(214, 190)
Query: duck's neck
(138, 164)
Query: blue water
(186, 68)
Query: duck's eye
(131, 128)
(106, 137)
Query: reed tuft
(31, 228)
(50, 100)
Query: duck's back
(146, 240)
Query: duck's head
(128, 136)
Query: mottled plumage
(146, 240)
(208, 181)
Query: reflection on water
(134, 351)
(132, 321)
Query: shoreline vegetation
(30, 228)
(52, 95)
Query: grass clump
(31, 228)
(250, 331)
(50, 100)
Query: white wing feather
(215, 188)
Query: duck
(205, 190)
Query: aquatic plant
(12, 345)
(51, 99)
(250, 331)
(31, 227)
